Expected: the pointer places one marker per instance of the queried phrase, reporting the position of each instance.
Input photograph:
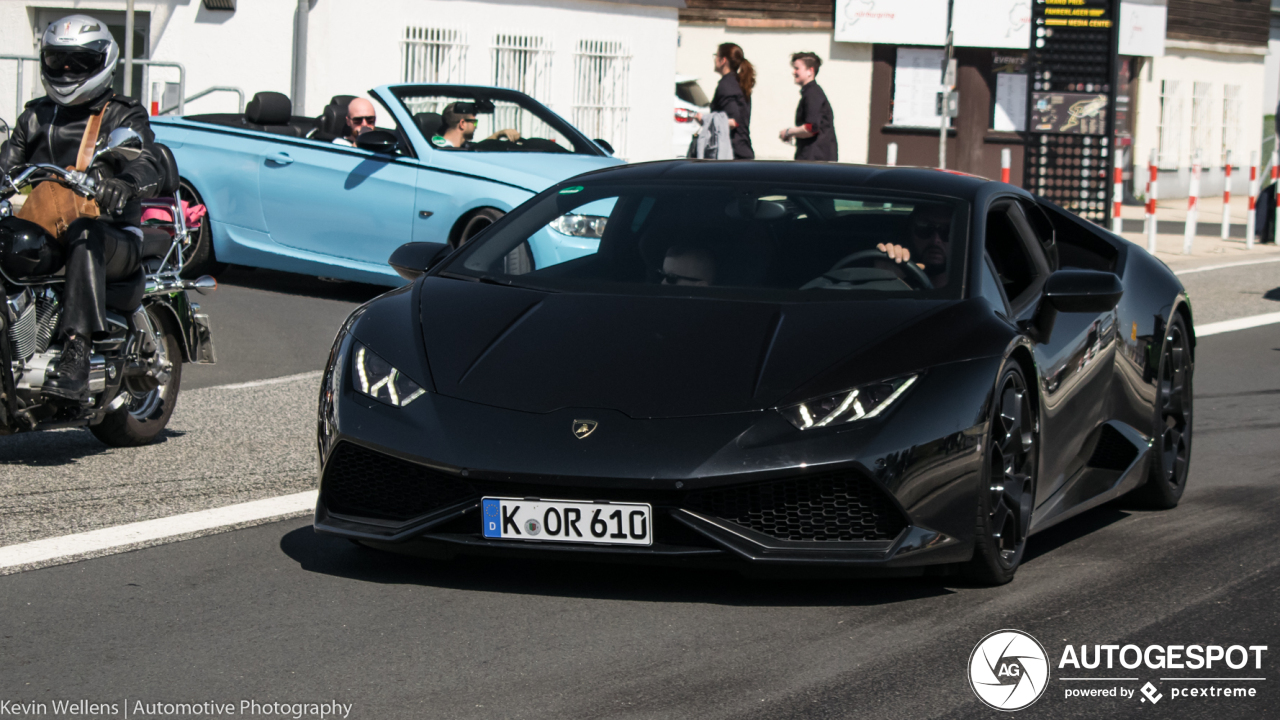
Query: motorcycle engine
(32, 321)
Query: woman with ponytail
(733, 97)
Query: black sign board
(1071, 104)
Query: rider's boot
(70, 379)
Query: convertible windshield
(466, 119)
(771, 243)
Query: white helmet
(78, 59)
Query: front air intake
(359, 482)
(832, 507)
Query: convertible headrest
(268, 108)
(333, 121)
(429, 123)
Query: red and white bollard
(1193, 211)
(892, 155)
(1006, 162)
(1151, 203)
(1275, 175)
(155, 108)
(1226, 197)
(1251, 221)
(1117, 196)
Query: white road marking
(1226, 265)
(1243, 323)
(40, 551)
(270, 381)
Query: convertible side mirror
(1074, 291)
(124, 143)
(382, 142)
(411, 260)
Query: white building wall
(1245, 68)
(845, 77)
(354, 45)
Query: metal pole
(300, 58)
(17, 109)
(942, 117)
(1226, 197)
(128, 48)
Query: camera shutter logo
(1008, 670)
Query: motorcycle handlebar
(78, 181)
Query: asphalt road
(277, 613)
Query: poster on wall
(917, 80)
(1142, 27)
(892, 22)
(992, 23)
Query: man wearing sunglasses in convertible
(361, 118)
(77, 66)
(928, 240)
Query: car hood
(532, 171)
(654, 357)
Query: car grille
(364, 483)
(835, 507)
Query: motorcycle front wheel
(147, 410)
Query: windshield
(729, 240)
(466, 119)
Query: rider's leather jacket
(46, 132)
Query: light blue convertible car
(281, 194)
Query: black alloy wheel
(1171, 435)
(481, 219)
(1007, 495)
(197, 257)
(148, 404)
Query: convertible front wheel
(1007, 494)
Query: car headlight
(377, 379)
(861, 403)
(591, 226)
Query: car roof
(871, 177)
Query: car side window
(1014, 266)
(990, 288)
(1043, 231)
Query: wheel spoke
(998, 520)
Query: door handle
(280, 158)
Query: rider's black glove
(114, 194)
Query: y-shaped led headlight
(375, 377)
(861, 403)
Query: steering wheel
(915, 276)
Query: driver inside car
(928, 240)
(459, 128)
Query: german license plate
(567, 521)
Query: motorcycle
(135, 371)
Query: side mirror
(604, 145)
(1091, 291)
(411, 260)
(382, 142)
(124, 143)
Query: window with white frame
(522, 62)
(1202, 122)
(433, 55)
(1231, 101)
(602, 73)
(1171, 119)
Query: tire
(146, 414)
(1171, 431)
(479, 220)
(198, 258)
(1006, 496)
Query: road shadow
(596, 580)
(1069, 531)
(301, 285)
(58, 447)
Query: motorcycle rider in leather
(77, 66)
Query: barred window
(602, 74)
(433, 55)
(522, 62)
(1231, 121)
(1202, 122)
(1171, 119)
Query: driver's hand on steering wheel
(896, 253)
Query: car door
(338, 201)
(1074, 361)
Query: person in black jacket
(733, 97)
(77, 64)
(815, 129)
